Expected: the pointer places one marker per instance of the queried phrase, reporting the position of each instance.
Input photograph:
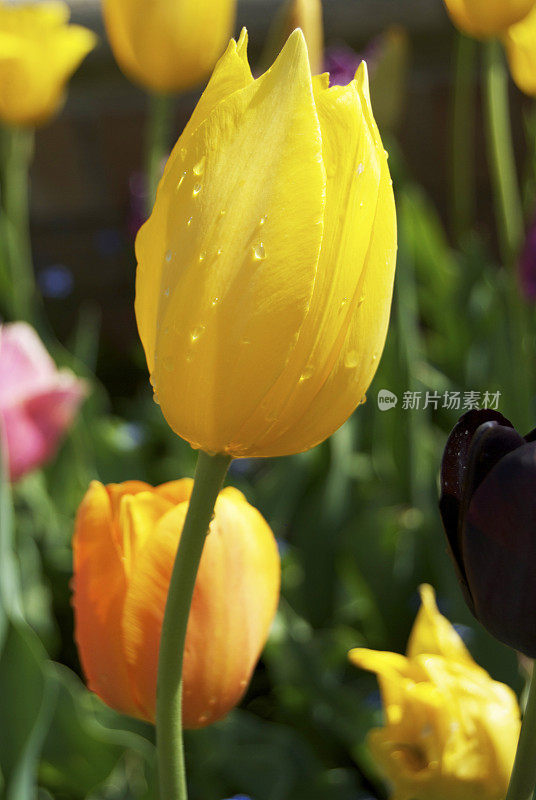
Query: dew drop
(215, 302)
(200, 167)
(166, 292)
(263, 219)
(219, 252)
(197, 189)
(197, 332)
(168, 363)
(361, 204)
(243, 683)
(189, 221)
(361, 300)
(352, 359)
(168, 256)
(223, 212)
(259, 253)
(344, 303)
(360, 169)
(202, 256)
(178, 186)
(374, 358)
(245, 340)
(183, 153)
(307, 373)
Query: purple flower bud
(488, 507)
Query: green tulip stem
(463, 142)
(209, 475)
(523, 778)
(501, 154)
(17, 281)
(158, 141)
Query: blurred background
(356, 518)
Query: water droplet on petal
(352, 359)
(168, 256)
(197, 332)
(360, 169)
(361, 204)
(178, 186)
(344, 303)
(223, 212)
(202, 256)
(183, 153)
(307, 373)
(167, 291)
(245, 340)
(197, 189)
(263, 219)
(219, 252)
(259, 253)
(189, 221)
(215, 302)
(361, 300)
(200, 166)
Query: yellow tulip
(265, 271)
(487, 18)
(38, 53)
(168, 45)
(450, 730)
(125, 542)
(520, 43)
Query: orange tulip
(125, 542)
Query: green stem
(209, 475)
(501, 154)
(463, 119)
(523, 778)
(158, 141)
(16, 153)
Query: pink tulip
(38, 402)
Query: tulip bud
(168, 45)
(40, 51)
(38, 402)
(125, 542)
(520, 43)
(487, 18)
(450, 731)
(488, 507)
(265, 271)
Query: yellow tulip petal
(350, 328)
(433, 633)
(383, 663)
(170, 45)
(32, 36)
(175, 491)
(486, 18)
(227, 265)
(520, 42)
(99, 589)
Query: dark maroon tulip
(488, 507)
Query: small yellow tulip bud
(450, 731)
(487, 18)
(520, 43)
(168, 45)
(40, 51)
(265, 271)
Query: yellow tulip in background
(265, 271)
(520, 43)
(124, 546)
(168, 45)
(450, 730)
(486, 18)
(38, 53)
